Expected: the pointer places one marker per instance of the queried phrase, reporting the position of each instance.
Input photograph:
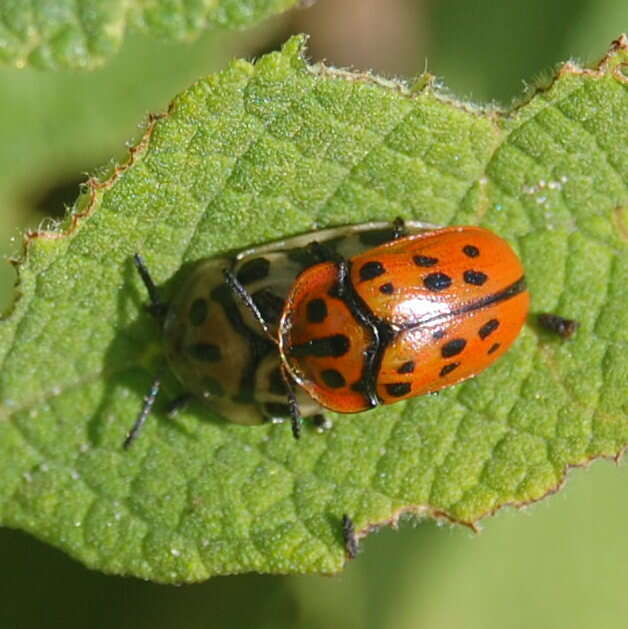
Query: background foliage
(410, 577)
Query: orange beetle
(409, 317)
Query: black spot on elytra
(198, 311)
(438, 334)
(222, 294)
(471, 251)
(333, 379)
(253, 271)
(493, 348)
(448, 368)
(407, 367)
(269, 305)
(371, 270)
(205, 352)
(397, 389)
(276, 409)
(488, 328)
(303, 256)
(477, 278)
(321, 252)
(452, 348)
(437, 281)
(335, 346)
(316, 310)
(276, 383)
(425, 260)
(387, 289)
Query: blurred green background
(561, 563)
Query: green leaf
(259, 152)
(57, 34)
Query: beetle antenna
(245, 297)
(149, 400)
(156, 307)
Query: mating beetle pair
(341, 319)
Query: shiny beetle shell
(405, 318)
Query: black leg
(245, 297)
(149, 400)
(343, 274)
(156, 307)
(399, 228)
(348, 535)
(295, 414)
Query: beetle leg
(149, 400)
(156, 307)
(295, 413)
